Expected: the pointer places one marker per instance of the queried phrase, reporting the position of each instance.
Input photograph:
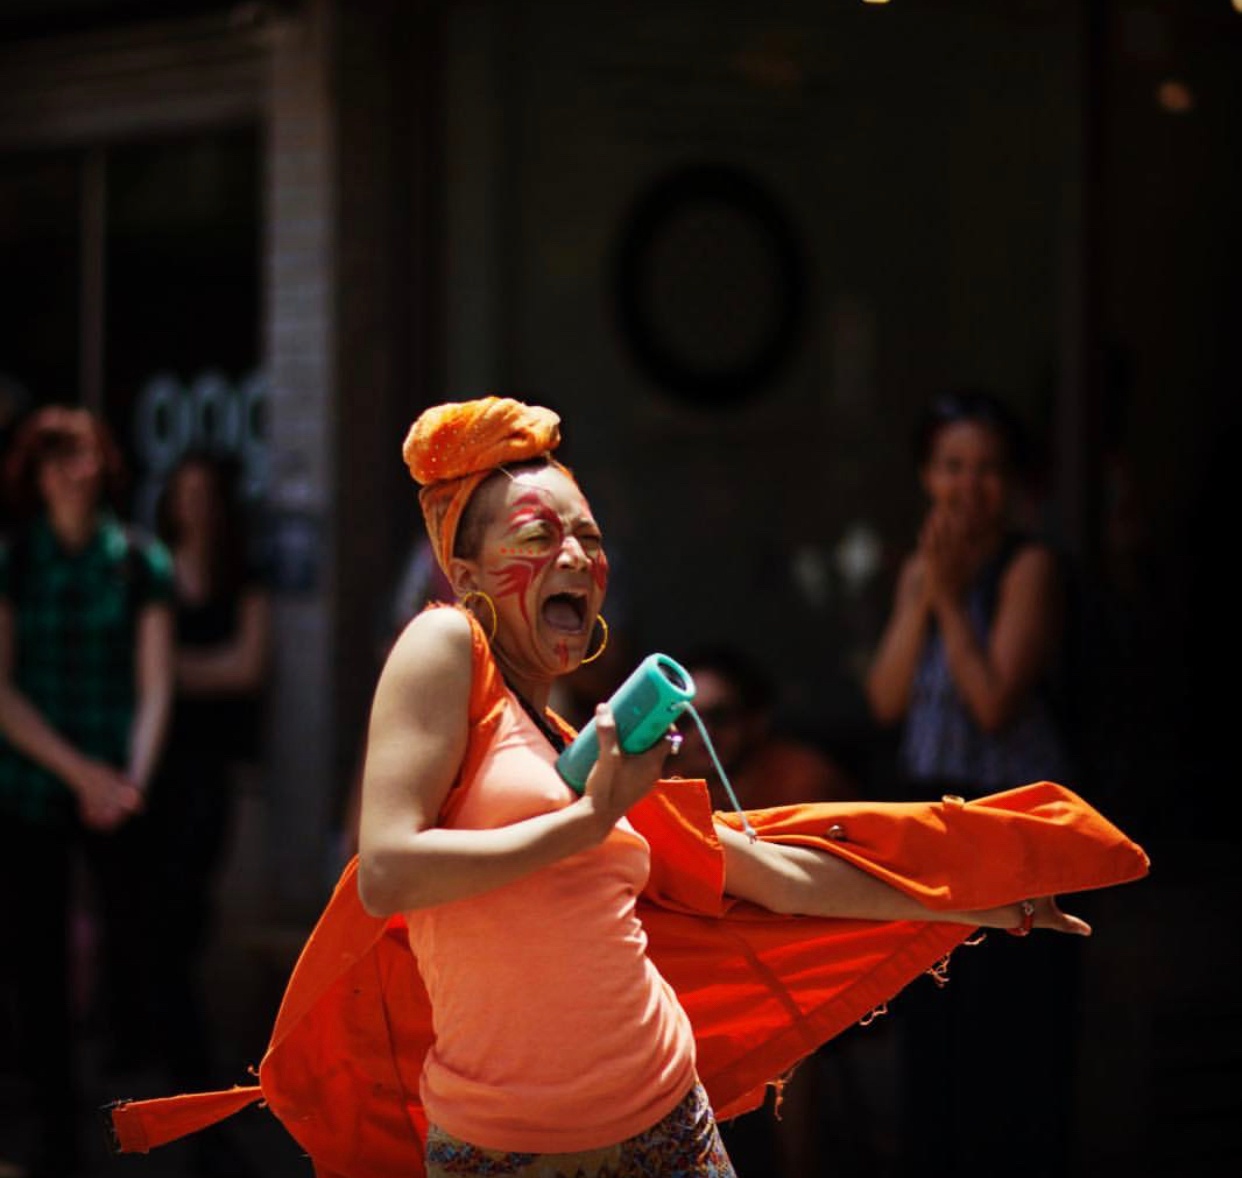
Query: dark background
(1041, 195)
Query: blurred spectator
(967, 668)
(85, 691)
(737, 701)
(967, 664)
(14, 404)
(223, 648)
(223, 643)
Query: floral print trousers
(684, 1144)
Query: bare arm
(804, 882)
(994, 679)
(236, 666)
(153, 674)
(105, 797)
(415, 745)
(892, 669)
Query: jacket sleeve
(1035, 840)
(764, 991)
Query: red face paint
(599, 571)
(531, 554)
(536, 537)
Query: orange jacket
(763, 991)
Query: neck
(536, 691)
(988, 544)
(73, 527)
(193, 552)
(537, 711)
(197, 543)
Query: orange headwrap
(452, 448)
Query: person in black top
(223, 623)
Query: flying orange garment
(762, 991)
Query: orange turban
(452, 448)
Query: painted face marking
(515, 579)
(599, 571)
(540, 539)
(531, 554)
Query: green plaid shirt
(75, 617)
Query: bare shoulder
(1035, 562)
(434, 646)
(437, 624)
(1033, 579)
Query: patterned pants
(685, 1144)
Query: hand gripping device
(657, 692)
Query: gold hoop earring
(603, 642)
(463, 601)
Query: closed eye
(534, 536)
(592, 542)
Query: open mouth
(566, 612)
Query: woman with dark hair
(223, 643)
(968, 660)
(85, 691)
(967, 666)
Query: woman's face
(719, 706)
(71, 478)
(192, 500)
(541, 559)
(967, 473)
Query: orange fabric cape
(762, 991)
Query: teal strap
(724, 777)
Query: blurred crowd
(132, 665)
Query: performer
(565, 1017)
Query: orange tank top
(554, 1032)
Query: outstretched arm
(800, 881)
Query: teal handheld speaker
(644, 706)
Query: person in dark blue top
(969, 657)
(967, 668)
